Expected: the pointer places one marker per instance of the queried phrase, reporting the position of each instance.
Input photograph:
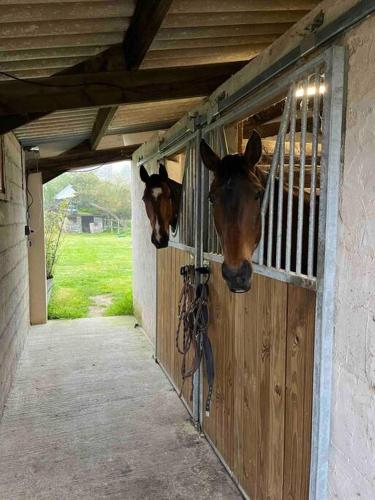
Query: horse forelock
(154, 181)
(232, 166)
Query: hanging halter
(193, 320)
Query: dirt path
(100, 304)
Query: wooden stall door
(169, 283)
(260, 420)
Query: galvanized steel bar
(270, 208)
(292, 145)
(326, 274)
(209, 206)
(198, 261)
(191, 221)
(280, 205)
(275, 158)
(314, 155)
(224, 150)
(183, 238)
(301, 191)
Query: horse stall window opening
(181, 168)
(291, 133)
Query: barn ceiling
(112, 37)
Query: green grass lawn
(90, 265)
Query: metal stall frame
(333, 60)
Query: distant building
(68, 193)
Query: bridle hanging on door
(193, 319)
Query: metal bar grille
(290, 205)
(186, 221)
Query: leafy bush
(54, 219)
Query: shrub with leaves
(54, 219)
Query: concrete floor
(92, 416)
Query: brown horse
(236, 194)
(162, 199)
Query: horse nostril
(238, 279)
(155, 242)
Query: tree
(92, 192)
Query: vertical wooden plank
(250, 391)
(228, 374)
(211, 423)
(271, 387)
(178, 286)
(239, 389)
(277, 390)
(160, 308)
(300, 341)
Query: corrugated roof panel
(150, 115)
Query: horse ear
(143, 174)
(209, 157)
(253, 150)
(163, 173)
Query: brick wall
(14, 295)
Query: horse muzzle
(238, 280)
(160, 243)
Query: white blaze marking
(157, 230)
(156, 192)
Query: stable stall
(271, 407)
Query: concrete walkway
(92, 416)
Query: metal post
(326, 276)
(198, 247)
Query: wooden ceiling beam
(146, 21)
(102, 122)
(81, 158)
(21, 102)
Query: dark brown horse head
(160, 204)
(235, 193)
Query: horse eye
(211, 198)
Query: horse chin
(240, 290)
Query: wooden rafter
(146, 21)
(21, 102)
(102, 122)
(81, 158)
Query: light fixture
(310, 90)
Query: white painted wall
(352, 452)
(14, 280)
(144, 258)
(37, 254)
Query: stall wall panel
(14, 294)
(260, 420)
(144, 258)
(352, 449)
(169, 284)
